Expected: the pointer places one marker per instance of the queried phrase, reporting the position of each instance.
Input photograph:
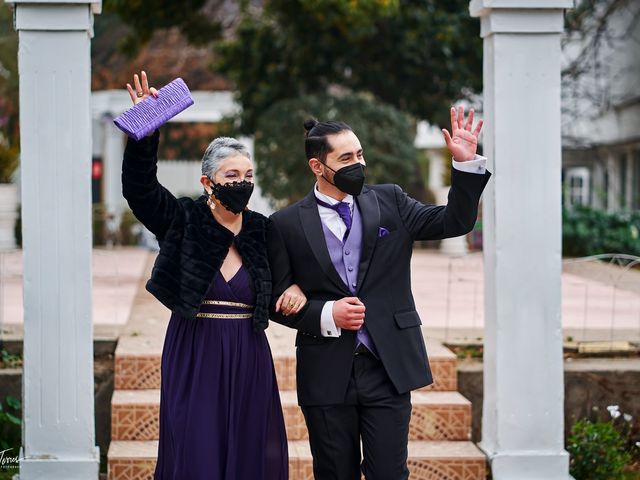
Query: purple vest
(346, 260)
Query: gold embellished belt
(224, 315)
(227, 304)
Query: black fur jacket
(193, 244)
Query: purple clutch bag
(152, 112)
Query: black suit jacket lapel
(370, 214)
(312, 226)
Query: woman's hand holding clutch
(142, 89)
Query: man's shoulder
(385, 190)
(288, 212)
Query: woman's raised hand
(142, 89)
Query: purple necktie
(344, 210)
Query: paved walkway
(599, 301)
(116, 274)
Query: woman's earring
(210, 201)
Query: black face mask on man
(233, 196)
(349, 179)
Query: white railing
(600, 297)
(605, 289)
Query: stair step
(135, 460)
(132, 460)
(427, 461)
(435, 416)
(137, 364)
(135, 415)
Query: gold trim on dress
(227, 304)
(224, 315)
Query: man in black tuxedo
(360, 349)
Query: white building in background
(600, 122)
(601, 114)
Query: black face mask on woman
(233, 196)
(349, 179)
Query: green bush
(10, 360)
(99, 224)
(10, 435)
(10, 425)
(586, 231)
(106, 234)
(598, 451)
(128, 235)
(386, 135)
(8, 160)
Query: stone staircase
(440, 428)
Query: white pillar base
(57, 468)
(529, 465)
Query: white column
(613, 184)
(114, 143)
(522, 421)
(436, 169)
(55, 130)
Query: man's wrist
(477, 164)
(328, 326)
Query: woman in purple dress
(220, 411)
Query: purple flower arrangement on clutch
(152, 112)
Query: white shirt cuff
(327, 325)
(477, 165)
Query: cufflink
(329, 333)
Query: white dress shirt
(332, 220)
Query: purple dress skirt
(220, 411)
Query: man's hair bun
(309, 124)
(317, 145)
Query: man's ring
(139, 94)
(291, 304)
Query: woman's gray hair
(218, 151)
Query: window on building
(577, 186)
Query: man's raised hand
(462, 143)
